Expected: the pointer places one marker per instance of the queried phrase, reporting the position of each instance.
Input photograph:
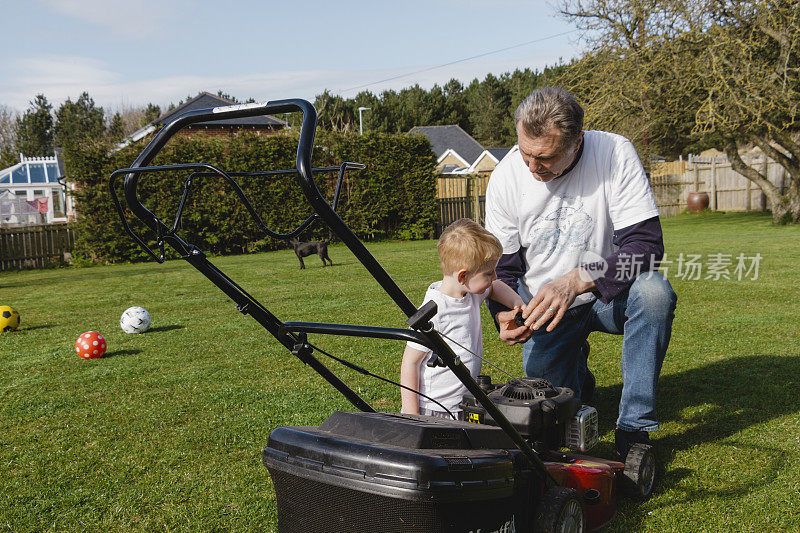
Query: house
(455, 149)
(260, 125)
(31, 193)
(488, 159)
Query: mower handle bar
(159, 227)
(248, 305)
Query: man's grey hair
(550, 107)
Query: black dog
(303, 249)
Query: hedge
(394, 197)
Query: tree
(672, 74)
(8, 136)
(484, 109)
(35, 129)
(227, 96)
(78, 121)
(334, 113)
(367, 99)
(385, 116)
(151, 113)
(133, 119)
(223, 94)
(752, 92)
(455, 111)
(419, 107)
(488, 106)
(519, 85)
(116, 129)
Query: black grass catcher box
(386, 472)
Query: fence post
(696, 169)
(476, 198)
(765, 172)
(713, 187)
(749, 201)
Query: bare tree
(722, 72)
(131, 119)
(8, 136)
(8, 131)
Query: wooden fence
(463, 195)
(35, 246)
(727, 189)
(667, 193)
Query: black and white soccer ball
(135, 320)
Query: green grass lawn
(166, 431)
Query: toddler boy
(468, 255)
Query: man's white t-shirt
(459, 319)
(569, 221)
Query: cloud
(139, 18)
(62, 77)
(308, 84)
(57, 77)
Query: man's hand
(554, 298)
(509, 331)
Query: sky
(127, 54)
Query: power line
(458, 61)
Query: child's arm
(409, 377)
(505, 295)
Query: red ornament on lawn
(90, 345)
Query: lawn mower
(503, 469)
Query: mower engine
(548, 417)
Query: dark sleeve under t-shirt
(640, 248)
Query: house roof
(450, 152)
(498, 153)
(452, 137)
(207, 100)
(494, 154)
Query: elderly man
(581, 242)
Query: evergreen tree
(151, 113)
(79, 120)
(484, 109)
(116, 130)
(35, 129)
(488, 106)
(455, 107)
(420, 107)
(367, 99)
(387, 113)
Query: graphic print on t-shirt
(566, 228)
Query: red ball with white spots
(90, 345)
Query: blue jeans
(643, 315)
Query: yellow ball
(9, 318)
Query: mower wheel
(560, 511)
(640, 472)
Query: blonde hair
(466, 244)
